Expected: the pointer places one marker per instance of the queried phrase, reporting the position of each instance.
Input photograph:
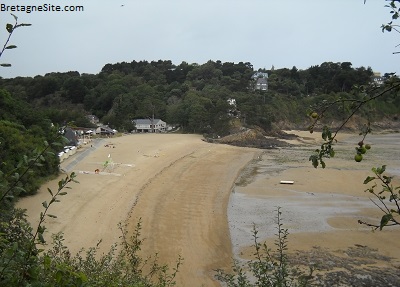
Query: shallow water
(302, 213)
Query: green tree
(75, 90)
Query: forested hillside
(192, 96)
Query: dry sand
(181, 188)
(178, 184)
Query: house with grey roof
(260, 81)
(150, 125)
(261, 84)
(71, 136)
(257, 75)
(105, 130)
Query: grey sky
(263, 32)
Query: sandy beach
(200, 200)
(178, 185)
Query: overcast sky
(265, 33)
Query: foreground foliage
(387, 196)
(24, 263)
(269, 268)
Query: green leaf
(49, 190)
(326, 133)
(9, 28)
(83, 277)
(62, 193)
(332, 153)
(59, 276)
(314, 159)
(22, 24)
(60, 184)
(19, 189)
(11, 47)
(369, 179)
(51, 215)
(44, 203)
(16, 176)
(57, 144)
(385, 220)
(50, 153)
(381, 169)
(41, 229)
(41, 238)
(46, 262)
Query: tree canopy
(193, 96)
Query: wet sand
(323, 206)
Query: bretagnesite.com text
(40, 8)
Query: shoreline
(321, 209)
(183, 189)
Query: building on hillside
(260, 81)
(150, 125)
(105, 130)
(261, 84)
(377, 79)
(257, 75)
(233, 110)
(71, 136)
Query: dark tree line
(192, 96)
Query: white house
(260, 81)
(377, 79)
(105, 130)
(262, 84)
(150, 125)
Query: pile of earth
(254, 137)
(354, 124)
